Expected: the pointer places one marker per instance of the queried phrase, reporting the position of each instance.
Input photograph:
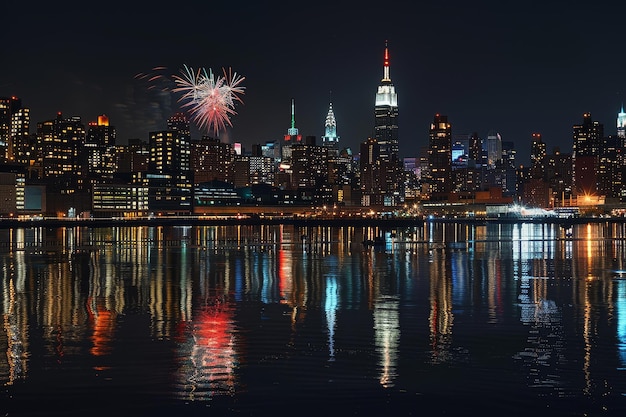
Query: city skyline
(484, 67)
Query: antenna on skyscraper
(293, 131)
(386, 76)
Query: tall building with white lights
(330, 138)
(621, 124)
(388, 167)
(169, 168)
(14, 125)
(386, 114)
(20, 145)
(59, 145)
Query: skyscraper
(386, 138)
(493, 146)
(507, 168)
(292, 135)
(20, 142)
(211, 159)
(621, 124)
(99, 148)
(537, 157)
(169, 170)
(9, 107)
(179, 123)
(371, 190)
(59, 145)
(475, 149)
(386, 115)
(588, 138)
(330, 138)
(440, 158)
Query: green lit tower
(292, 133)
(292, 137)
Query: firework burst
(210, 99)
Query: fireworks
(210, 99)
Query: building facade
(440, 158)
(588, 137)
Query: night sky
(514, 68)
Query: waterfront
(438, 319)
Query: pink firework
(210, 99)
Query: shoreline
(296, 221)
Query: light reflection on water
(621, 321)
(207, 354)
(257, 313)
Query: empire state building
(386, 115)
(385, 180)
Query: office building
(588, 137)
(212, 160)
(440, 158)
(9, 106)
(169, 173)
(99, 148)
(537, 157)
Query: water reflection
(620, 306)
(207, 356)
(441, 315)
(331, 306)
(387, 337)
(307, 307)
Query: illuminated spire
(386, 76)
(330, 128)
(293, 131)
(386, 95)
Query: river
(437, 319)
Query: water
(440, 319)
